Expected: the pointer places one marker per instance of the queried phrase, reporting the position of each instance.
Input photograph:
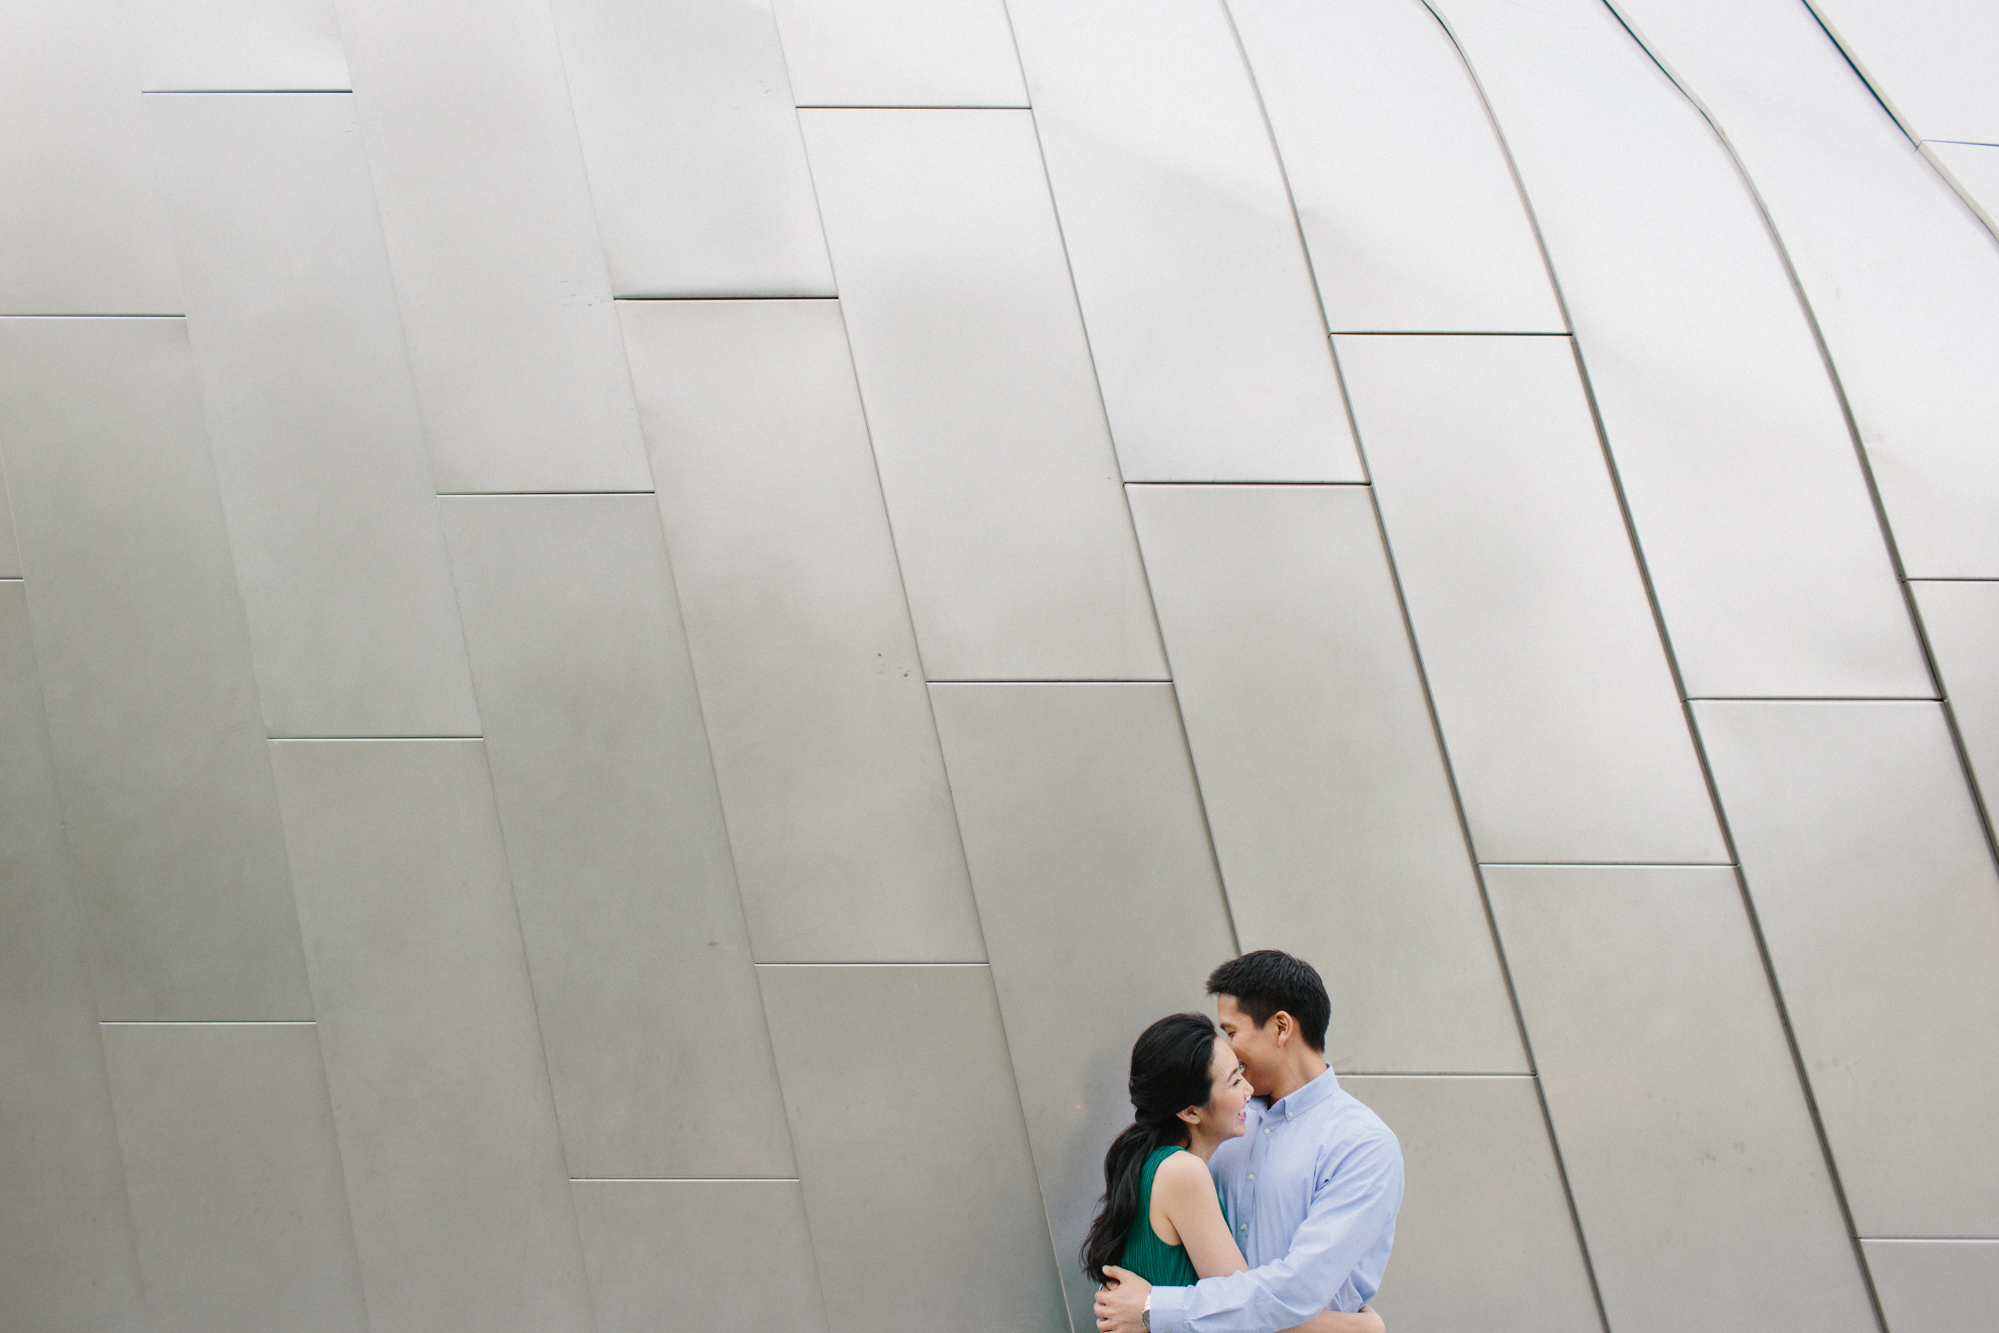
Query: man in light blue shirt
(1312, 1187)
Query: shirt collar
(1307, 1097)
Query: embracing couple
(1245, 1152)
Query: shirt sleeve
(1349, 1211)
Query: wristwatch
(1145, 1315)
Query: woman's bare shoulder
(1183, 1171)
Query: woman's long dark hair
(1169, 1073)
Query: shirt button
(1252, 1175)
(1266, 1131)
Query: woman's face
(1226, 1114)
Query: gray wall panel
(911, 1149)
(317, 444)
(78, 206)
(1875, 888)
(900, 53)
(1688, 1143)
(1098, 893)
(696, 166)
(265, 45)
(1935, 1286)
(1484, 1239)
(487, 214)
(1932, 66)
(152, 701)
(1902, 278)
(1756, 522)
(1332, 813)
(462, 1215)
(234, 1177)
(10, 551)
(1406, 200)
(1208, 341)
(719, 1255)
(1972, 169)
(998, 472)
(615, 838)
(845, 842)
(66, 1253)
(1557, 705)
(1961, 622)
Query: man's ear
(1282, 1029)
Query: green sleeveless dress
(1145, 1254)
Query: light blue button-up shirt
(1312, 1189)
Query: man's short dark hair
(1263, 982)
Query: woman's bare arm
(1183, 1192)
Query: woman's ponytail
(1169, 1072)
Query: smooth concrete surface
(1758, 530)
(1099, 897)
(1208, 342)
(906, 53)
(79, 198)
(1485, 1238)
(1931, 67)
(912, 1150)
(697, 170)
(319, 451)
(487, 214)
(447, 1130)
(67, 1257)
(239, 46)
(615, 839)
(1016, 548)
(177, 855)
(1686, 1135)
(1903, 281)
(234, 1177)
(1961, 623)
(1332, 813)
(10, 550)
(839, 813)
(698, 1254)
(1874, 883)
(1558, 707)
(1935, 1286)
(1403, 190)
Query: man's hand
(1121, 1302)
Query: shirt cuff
(1169, 1309)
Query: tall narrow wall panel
(1016, 547)
(1749, 502)
(80, 225)
(1207, 339)
(239, 46)
(845, 842)
(67, 1258)
(234, 1177)
(1902, 278)
(696, 166)
(614, 836)
(447, 1131)
(1557, 704)
(318, 447)
(1932, 65)
(1098, 893)
(1320, 771)
(942, 53)
(1961, 625)
(504, 293)
(1485, 1237)
(1688, 1141)
(1875, 888)
(167, 800)
(947, 1190)
(1403, 189)
(1951, 1286)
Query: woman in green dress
(1161, 1216)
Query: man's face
(1255, 1046)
